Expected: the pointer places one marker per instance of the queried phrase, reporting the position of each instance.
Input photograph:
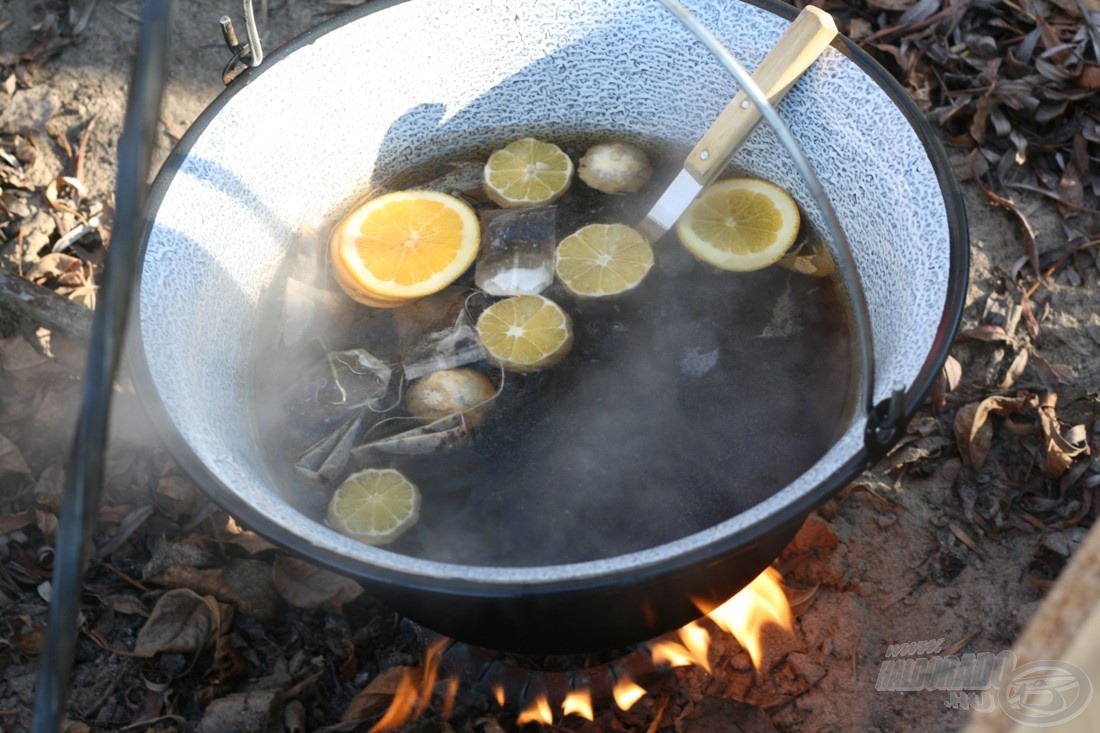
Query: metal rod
(845, 261)
(257, 53)
(84, 479)
(229, 33)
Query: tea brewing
(676, 404)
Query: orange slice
(404, 245)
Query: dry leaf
(14, 522)
(182, 498)
(377, 695)
(952, 372)
(965, 539)
(921, 10)
(246, 584)
(985, 332)
(1061, 450)
(896, 6)
(947, 381)
(60, 184)
(1049, 375)
(259, 711)
(918, 451)
(11, 460)
(974, 432)
(1015, 369)
(248, 541)
(182, 621)
(307, 586)
(130, 605)
(57, 268)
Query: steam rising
(681, 404)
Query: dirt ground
(924, 546)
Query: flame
(697, 642)
(693, 650)
(578, 702)
(670, 653)
(450, 695)
(626, 693)
(404, 701)
(761, 602)
(537, 712)
(414, 692)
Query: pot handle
(808, 36)
(247, 55)
(884, 420)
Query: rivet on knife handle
(799, 46)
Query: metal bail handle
(877, 437)
(246, 55)
(884, 425)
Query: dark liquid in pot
(682, 403)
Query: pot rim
(617, 571)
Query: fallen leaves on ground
(11, 460)
(246, 584)
(974, 431)
(1061, 447)
(305, 585)
(182, 621)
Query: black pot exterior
(606, 614)
(624, 606)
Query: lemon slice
(527, 172)
(740, 224)
(525, 333)
(404, 245)
(374, 506)
(603, 259)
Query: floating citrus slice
(357, 292)
(525, 333)
(603, 259)
(374, 506)
(740, 224)
(448, 392)
(527, 172)
(404, 245)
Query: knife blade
(807, 37)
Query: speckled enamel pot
(364, 95)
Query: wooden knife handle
(795, 51)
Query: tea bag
(336, 386)
(517, 251)
(305, 307)
(786, 321)
(359, 379)
(326, 459)
(302, 292)
(442, 436)
(445, 349)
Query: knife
(796, 50)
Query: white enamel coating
(417, 80)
